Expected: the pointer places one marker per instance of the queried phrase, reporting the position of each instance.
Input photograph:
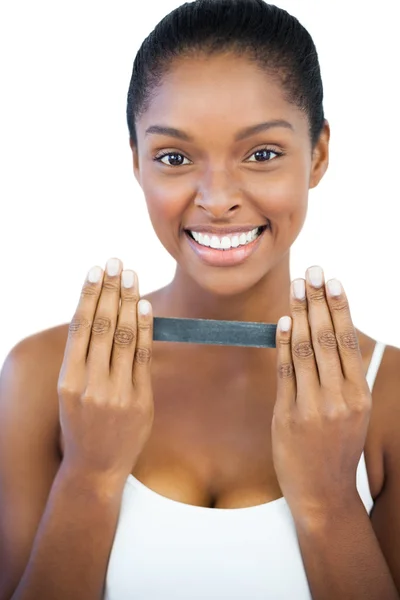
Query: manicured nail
(315, 276)
(334, 287)
(112, 267)
(144, 307)
(299, 289)
(285, 323)
(128, 278)
(94, 274)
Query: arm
(320, 424)
(56, 527)
(342, 556)
(352, 556)
(72, 546)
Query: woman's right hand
(104, 387)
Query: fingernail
(299, 289)
(315, 275)
(128, 278)
(284, 323)
(112, 266)
(94, 274)
(334, 287)
(144, 307)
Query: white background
(68, 196)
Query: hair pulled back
(268, 35)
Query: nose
(217, 194)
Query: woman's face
(209, 174)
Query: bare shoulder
(42, 355)
(46, 342)
(33, 366)
(29, 445)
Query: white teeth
(215, 242)
(226, 242)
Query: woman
(155, 470)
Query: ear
(135, 157)
(320, 158)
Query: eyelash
(158, 157)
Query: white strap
(375, 363)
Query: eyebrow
(241, 135)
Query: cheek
(280, 194)
(167, 198)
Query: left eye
(263, 155)
(174, 159)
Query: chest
(211, 444)
(211, 440)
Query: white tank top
(168, 550)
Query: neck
(265, 302)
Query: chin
(226, 282)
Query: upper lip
(223, 230)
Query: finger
(286, 378)
(141, 373)
(80, 327)
(346, 335)
(125, 335)
(105, 321)
(322, 330)
(302, 349)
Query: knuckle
(308, 416)
(101, 325)
(124, 336)
(361, 398)
(316, 295)
(303, 349)
(284, 342)
(145, 325)
(67, 390)
(298, 307)
(327, 339)
(286, 370)
(283, 417)
(111, 285)
(78, 325)
(130, 295)
(340, 305)
(88, 291)
(91, 396)
(348, 340)
(361, 407)
(334, 412)
(143, 355)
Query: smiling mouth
(227, 242)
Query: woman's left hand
(323, 404)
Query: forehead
(225, 89)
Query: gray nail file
(208, 331)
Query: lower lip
(225, 258)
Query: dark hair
(268, 35)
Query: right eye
(174, 158)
